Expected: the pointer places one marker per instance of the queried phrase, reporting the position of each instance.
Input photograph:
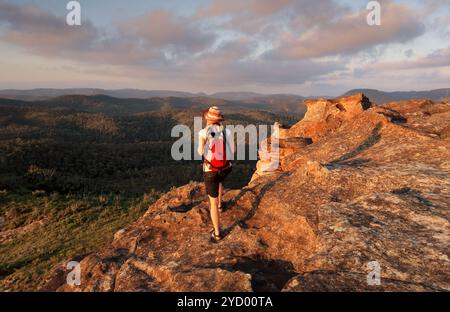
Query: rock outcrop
(323, 116)
(374, 187)
(275, 148)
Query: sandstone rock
(349, 281)
(323, 116)
(374, 186)
(274, 149)
(119, 234)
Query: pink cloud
(251, 7)
(350, 33)
(140, 40)
(160, 45)
(41, 31)
(162, 28)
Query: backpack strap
(228, 162)
(219, 169)
(224, 134)
(208, 133)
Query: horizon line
(200, 93)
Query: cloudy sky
(308, 47)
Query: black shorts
(212, 180)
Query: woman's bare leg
(220, 195)
(215, 214)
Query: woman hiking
(216, 146)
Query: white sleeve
(202, 134)
(201, 145)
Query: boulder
(324, 115)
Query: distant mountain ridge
(380, 97)
(125, 106)
(43, 94)
(376, 96)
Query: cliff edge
(357, 185)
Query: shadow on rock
(414, 194)
(242, 222)
(373, 139)
(266, 274)
(182, 208)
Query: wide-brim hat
(213, 114)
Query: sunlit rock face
(356, 185)
(323, 115)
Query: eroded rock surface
(374, 186)
(324, 115)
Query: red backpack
(217, 146)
